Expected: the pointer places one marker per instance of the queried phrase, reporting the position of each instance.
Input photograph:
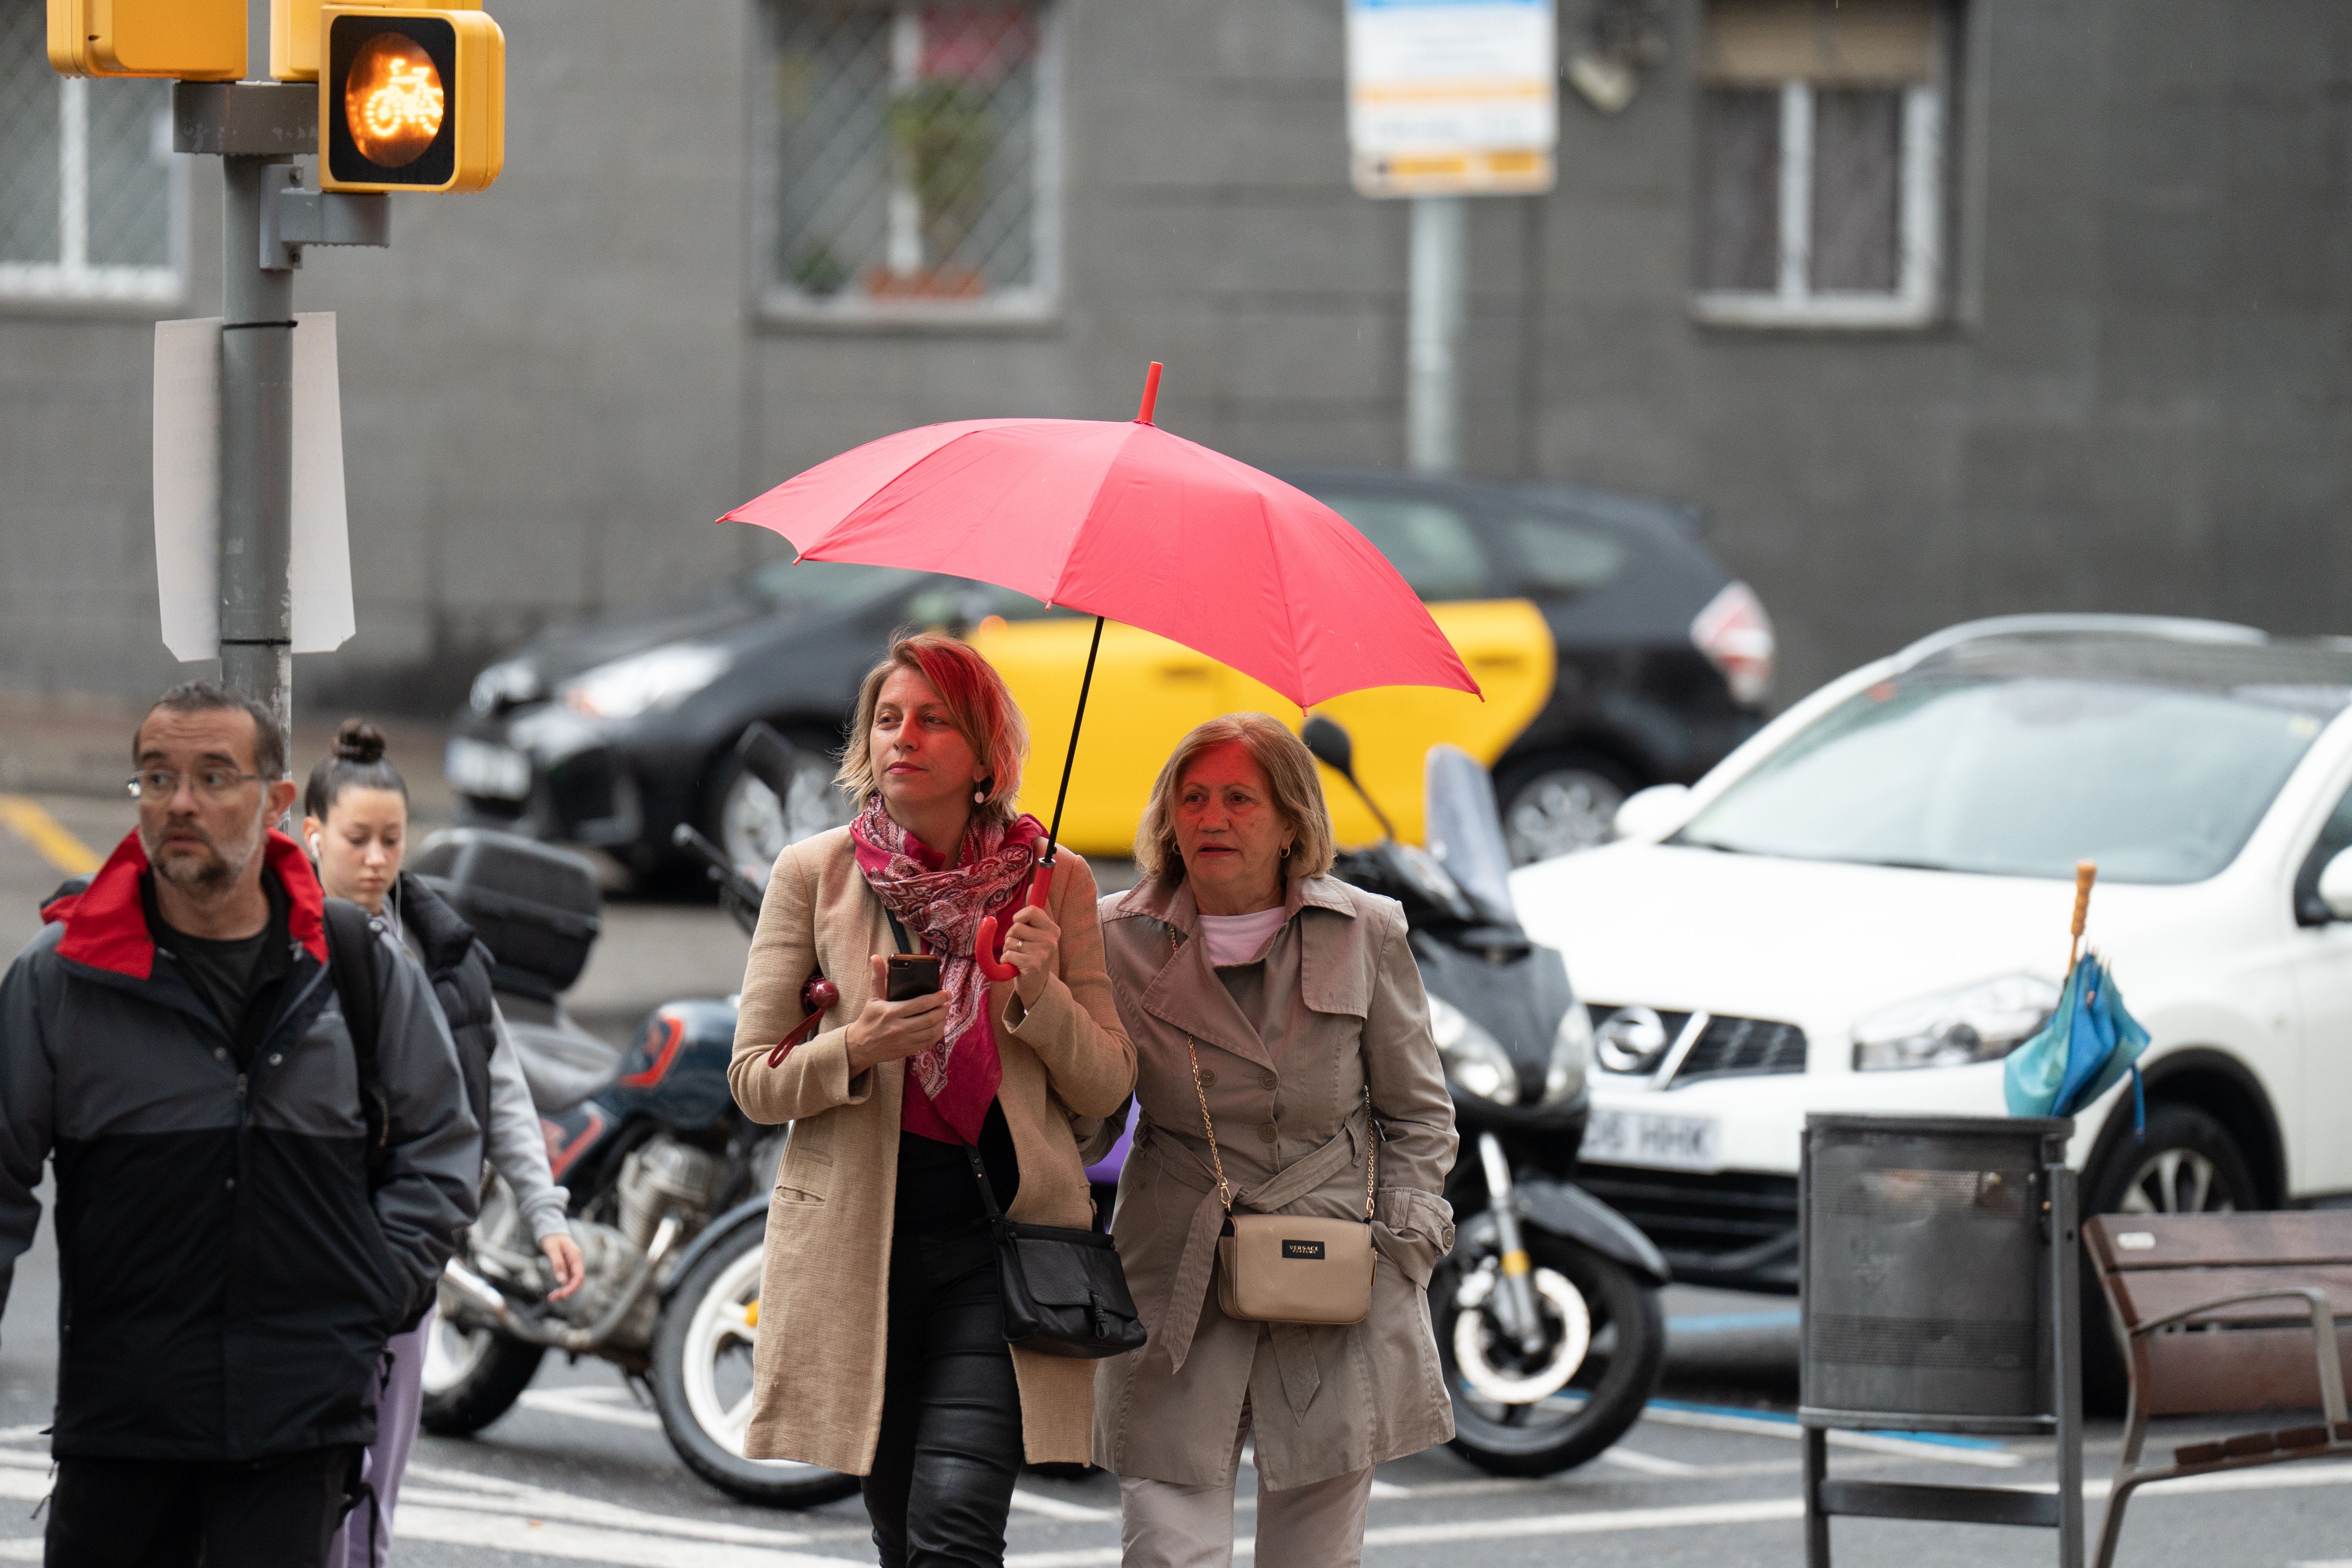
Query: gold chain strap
(1224, 1193)
(1216, 1161)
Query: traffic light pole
(255, 129)
(256, 450)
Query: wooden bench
(2227, 1314)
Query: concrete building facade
(2130, 386)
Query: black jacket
(461, 968)
(227, 1277)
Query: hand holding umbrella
(1122, 519)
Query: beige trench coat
(824, 1286)
(1291, 1128)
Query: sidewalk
(78, 743)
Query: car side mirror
(1330, 745)
(1652, 813)
(2335, 885)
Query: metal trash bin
(1940, 1279)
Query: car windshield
(2157, 764)
(797, 584)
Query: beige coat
(824, 1288)
(1344, 1007)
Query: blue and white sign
(1452, 96)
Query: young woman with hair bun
(356, 827)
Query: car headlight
(1981, 1024)
(1474, 1059)
(503, 685)
(659, 678)
(1572, 1054)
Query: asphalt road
(580, 1472)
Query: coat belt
(1189, 1292)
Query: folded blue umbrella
(2090, 1042)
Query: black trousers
(163, 1513)
(951, 1442)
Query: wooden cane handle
(2085, 873)
(983, 945)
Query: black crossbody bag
(1062, 1292)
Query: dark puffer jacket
(228, 1279)
(461, 968)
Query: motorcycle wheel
(472, 1376)
(1515, 1414)
(702, 1380)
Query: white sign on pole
(187, 489)
(1452, 97)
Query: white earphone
(316, 853)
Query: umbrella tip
(1151, 393)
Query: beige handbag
(1292, 1268)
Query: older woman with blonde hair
(880, 1348)
(1282, 1037)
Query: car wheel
(753, 827)
(1560, 805)
(2187, 1163)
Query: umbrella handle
(984, 946)
(2085, 873)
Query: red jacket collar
(106, 923)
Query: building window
(1820, 164)
(910, 161)
(90, 200)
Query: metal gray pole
(1438, 290)
(257, 402)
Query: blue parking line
(1734, 1322)
(1939, 1439)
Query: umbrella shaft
(1053, 833)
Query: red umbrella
(1127, 522)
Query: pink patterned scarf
(942, 909)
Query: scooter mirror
(1330, 745)
(768, 757)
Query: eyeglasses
(210, 784)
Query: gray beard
(218, 872)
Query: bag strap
(351, 964)
(1208, 1125)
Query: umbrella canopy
(1125, 521)
(2090, 1042)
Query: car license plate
(1642, 1138)
(478, 768)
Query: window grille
(1820, 164)
(910, 155)
(90, 200)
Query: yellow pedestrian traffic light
(195, 40)
(409, 100)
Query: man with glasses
(249, 1199)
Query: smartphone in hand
(911, 974)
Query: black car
(612, 731)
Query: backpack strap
(351, 961)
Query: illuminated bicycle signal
(410, 100)
(393, 101)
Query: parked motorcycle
(662, 1168)
(1546, 1309)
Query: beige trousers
(1320, 1525)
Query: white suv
(1865, 907)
